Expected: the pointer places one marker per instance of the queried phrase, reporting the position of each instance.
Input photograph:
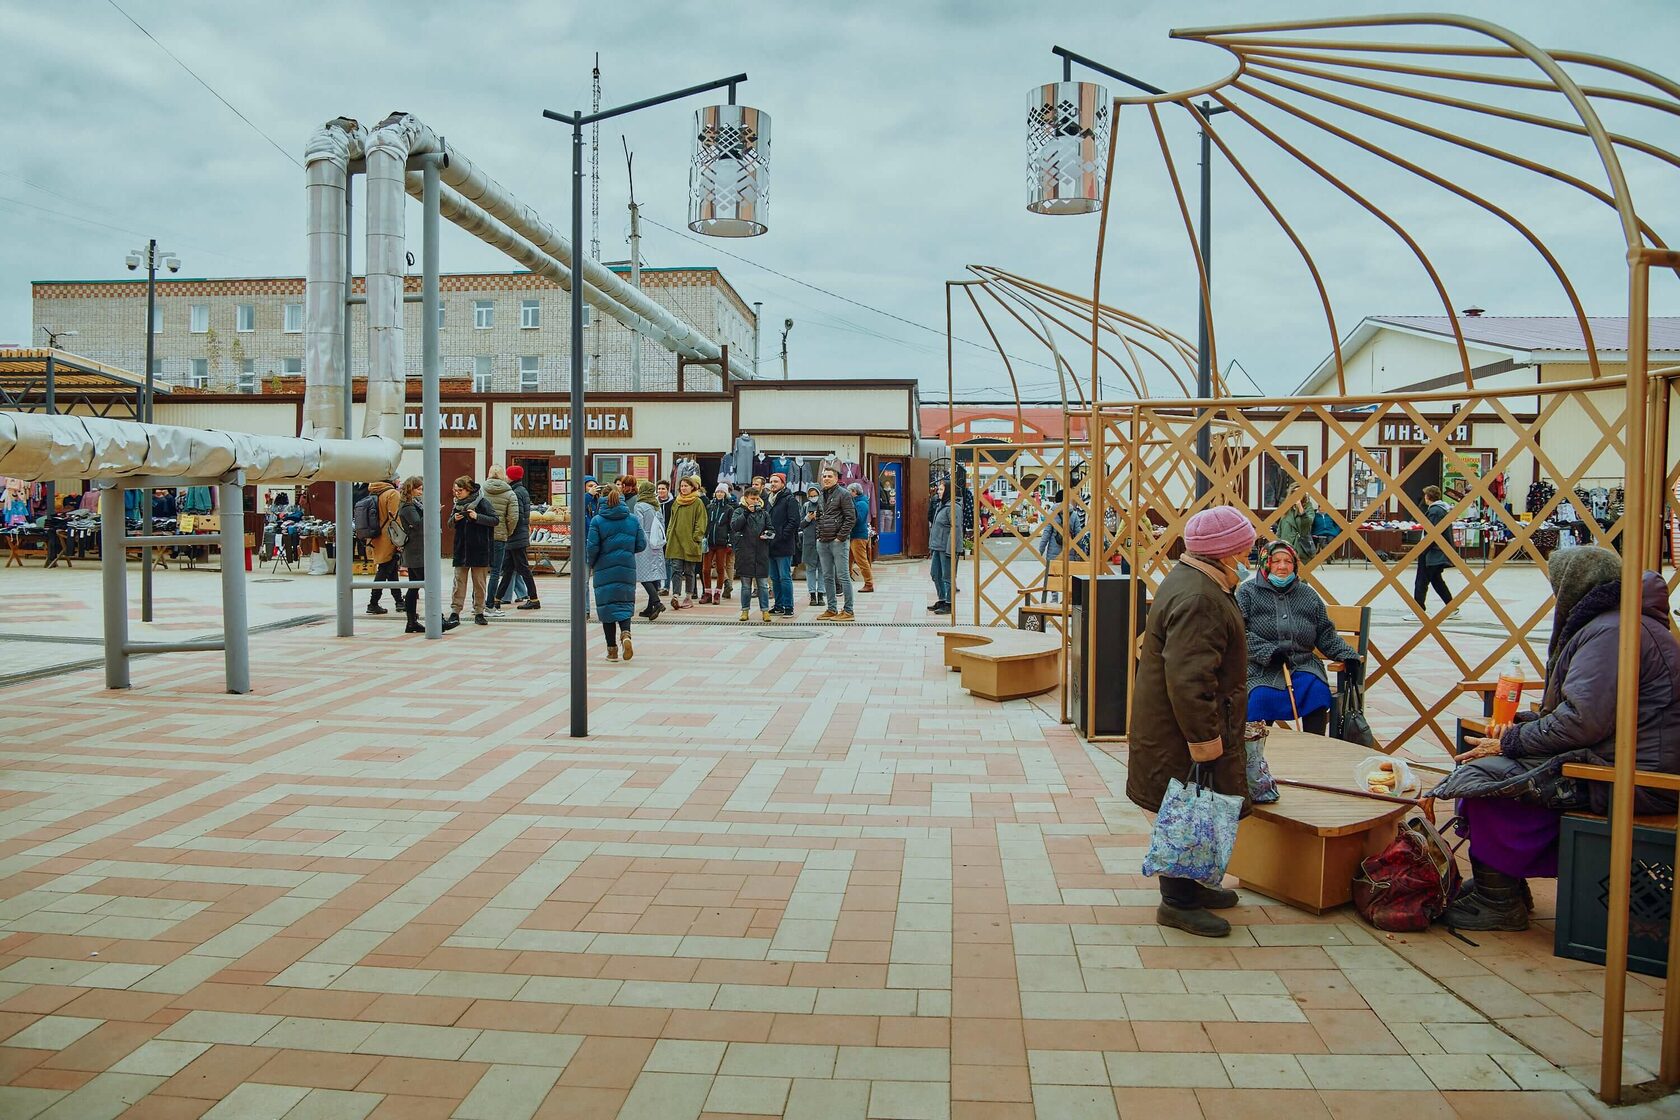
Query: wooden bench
(1470, 725)
(1002, 664)
(1305, 847)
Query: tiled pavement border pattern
(809, 879)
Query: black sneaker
(451, 622)
(940, 608)
(529, 605)
(375, 608)
(480, 620)
(455, 617)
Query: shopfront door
(889, 507)
(453, 463)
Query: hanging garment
(687, 468)
(784, 465)
(760, 467)
(744, 452)
(850, 473)
(196, 499)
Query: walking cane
(1289, 687)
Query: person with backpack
(751, 534)
(715, 586)
(475, 524)
(516, 565)
(1433, 561)
(500, 494)
(372, 515)
(408, 533)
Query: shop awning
(29, 376)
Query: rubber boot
(1202, 923)
(1215, 898)
(1494, 902)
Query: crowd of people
(682, 549)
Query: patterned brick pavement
(809, 878)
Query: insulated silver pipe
(431, 420)
(113, 577)
(236, 629)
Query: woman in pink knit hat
(1191, 695)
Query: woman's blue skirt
(1311, 695)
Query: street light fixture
(149, 258)
(728, 188)
(1064, 127)
(53, 336)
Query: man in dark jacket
(1190, 698)
(516, 557)
(860, 539)
(835, 518)
(784, 522)
(663, 492)
(1433, 561)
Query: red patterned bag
(1407, 885)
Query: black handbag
(1350, 715)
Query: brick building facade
(503, 332)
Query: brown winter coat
(379, 547)
(1191, 686)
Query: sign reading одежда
(453, 420)
(613, 420)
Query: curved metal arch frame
(1256, 46)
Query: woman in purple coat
(1511, 789)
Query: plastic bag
(1194, 832)
(1262, 787)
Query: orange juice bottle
(1507, 694)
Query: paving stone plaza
(801, 876)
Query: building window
(200, 376)
(157, 320)
(588, 314)
(440, 315)
(1277, 485)
(157, 369)
(484, 314)
(291, 367)
(528, 373)
(199, 319)
(530, 315)
(245, 318)
(248, 375)
(293, 322)
(481, 373)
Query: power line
(837, 295)
(205, 84)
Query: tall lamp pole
(1204, 359)
(731, 213)
(151, 256)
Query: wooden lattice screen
(1568, 435)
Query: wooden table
(1306, 847)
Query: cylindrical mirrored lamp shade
(1067, 147)
(729, 182)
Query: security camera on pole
(151, 256)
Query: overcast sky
(898, 142)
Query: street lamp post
(1051, 197)
(726, 199)
(151, 256)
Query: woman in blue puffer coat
(614, 539)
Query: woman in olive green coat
(685, 541)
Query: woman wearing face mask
(1286, 623)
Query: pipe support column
(113, 573)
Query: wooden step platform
(1002, 664)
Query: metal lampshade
(729, 182)
(1067, 147)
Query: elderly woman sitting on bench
(1288, 627)
(1511, 784)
